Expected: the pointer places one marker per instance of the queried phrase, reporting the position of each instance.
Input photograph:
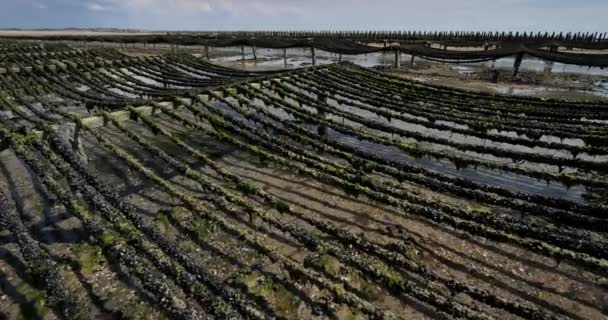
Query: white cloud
(97, 7)
(269, 8)
(193, 6)
(232, 7)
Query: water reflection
(272, 59)
(510, 181)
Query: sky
(486, 15)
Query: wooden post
(243, 53)
(322, 100)
(339, 57)
(255, 57)
(518, 60)
(412, 61)
(548, 67)
(76, 138)
(285, 57)
(397, 59)
(312, 51)
(322, 97)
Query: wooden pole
(285, 57)
(397, 59)
(548, 67)
(312, 50)
(518, 60)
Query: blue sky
(537, 15)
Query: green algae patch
(88, 257)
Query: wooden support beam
(285, 58)
(122, 115)
(548, 67)
(255, 56)
(76, 138)
(397, 59)
(314, 60)
(517, 64)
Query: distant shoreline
(75, 31)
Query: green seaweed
(203, 228)
(247, 187)
(88, 257)
(163, 222)
(329, 265)
(37, 307)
